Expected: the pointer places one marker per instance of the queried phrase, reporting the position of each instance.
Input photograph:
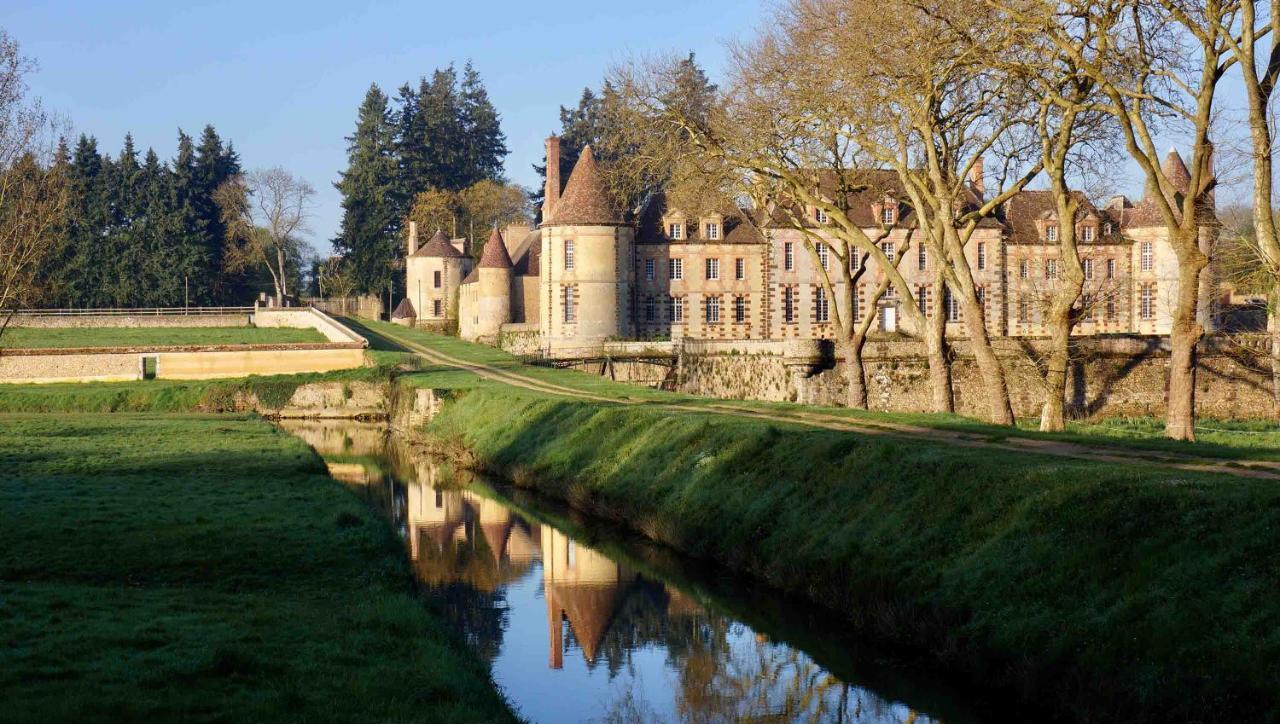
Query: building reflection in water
(619, 645)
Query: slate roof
(1027, 207)
(869, 187)
(404, 310)
(495, 254)
(439, 246)
(585, 201)
(738, 228)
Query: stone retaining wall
(53, 321)
(1125, 376)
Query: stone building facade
(592, 274)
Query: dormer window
(888, 215)
(1106, 229)
(1051, 233)
(675, 230)
(712, 230)
(1086, 234)
(821, 216)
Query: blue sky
(283, 80)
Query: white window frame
(739, 268)
(822, 216)
(1146, 256)
(1111, 268)
(568, 254)
(821, 305)
(675, 230)
(1086, 234)
(1147, 301)
(739, 309)
(922, 258)
(677, 308)
(789, 302)
(1024, 269)
(789, 255)
(888, 215)
(712, 266)
(889, 249)
(650, 308)
(1050, 268)
(1051, 233)
(711, 309)
(982, 255)
(712, 230)
(824, 254)
(650, 269)
(675, 269)
(1088, 269)
(568, 295)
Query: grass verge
(63, 338)
(1119, 592)
(207, 568)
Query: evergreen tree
(579, 127)
(485, 145)
(213, 165)
(123, 192)
(371, 208)
(188, 219)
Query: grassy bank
(60, 338)
(202, 568)
(1117, 591)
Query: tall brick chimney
(977, 178)
(551, 194)
(413, 238)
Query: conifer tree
(371, 209)
(485, 145)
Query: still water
(582, 622)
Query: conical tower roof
(439, 245)
(585, 201)
(495, 253)
(1175, 170)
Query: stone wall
(1113, 376)
(78, 367)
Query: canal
(580, 621)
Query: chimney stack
(551, 195)
(413, 238)
(977, 178)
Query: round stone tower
(433, 274)
(493, 282)
(586, 263)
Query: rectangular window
(436, 280)
(1106, 229)
(650, 309)
(789, 304)
(1088, 269)
(887, 215)
(1089, 307)
(1051, 233)
(952, 305)
(789, 255)
(982, 255)
(855, 260)
(675, 269)
(712, 307)
(437, 308)
(739, 309)
(1086, 234)
(1024, 315)
(1111, 268)
(570, 304)
(1050, 268)
(821, 216)
(676, 231)
(713, 269)
(922, 258)
(1024, 269)
(824, 254)
(1111, 308)
(1147, 301)
(888, 248)
(713, 230)
(1148, 256)
(568, 253)
(821, 307)
(981, 293)
(675, 310)
(739, 269)
(649, 266)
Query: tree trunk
(855, 372)
(1180, 424)
(1273, 326)
(993, 380)
(1052, 415)
(935, 342)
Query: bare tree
(334, 278)
(1158, 63)
(33, 194)
(266, 214)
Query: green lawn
(1255, 439)
(207, 568)
(34, 338)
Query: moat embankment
(581, 619)
(1104, 591)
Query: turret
(493, 293)
(586, 264)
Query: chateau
(592, 273)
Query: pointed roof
(1176, 171)
(404, 310)
(495, 253)
(585, 201)
(439, 246)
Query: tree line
(1050, 89)
(442, 138)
